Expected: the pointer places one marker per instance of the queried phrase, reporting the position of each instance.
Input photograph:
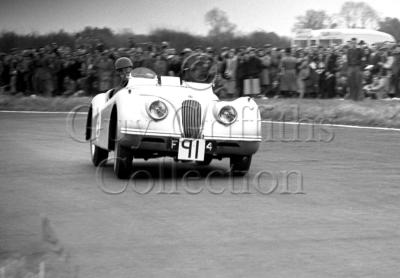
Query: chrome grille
(191, 118)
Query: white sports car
(155, 116)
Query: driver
(123, 67)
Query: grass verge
(382, 113)
(38, 103)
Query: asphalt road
(346, 224)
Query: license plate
(191, 149)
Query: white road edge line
(263, 121)
(334, 125)
(41, 112)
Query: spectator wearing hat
(274, 68)
(186, 55)
(376, 59)
(137, 58)
(164, 46)
(65, 73)
(366, 60)
(224, 51)
(174, 63)
(252, 69)
(328, 81)
(229, 68)
(265, 81)
(58, 77)
(186, 52)
(26, 68)
(267, 47)
(160, 65)
(54, 66)
(213, 66)
(303, 73)
(89, 71)
(43, 83)
(148, 57)
(104, 66)
(354, 74)
(242, 56)
(211, 52)
(320, 70)
(199, 49)
(288, 65)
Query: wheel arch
(88, 133)
(113, 128)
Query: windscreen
(143, 73)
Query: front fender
(134, 119)
(247, 126)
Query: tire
(240, 164)
(98, 154)
(123, 157)
(207, 160)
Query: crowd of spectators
(354, 70)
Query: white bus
(326, 37)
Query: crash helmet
(123, 62)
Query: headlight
(227, 115)
(157, 110)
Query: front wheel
(122, 161)
(240, 164)
(97, 154)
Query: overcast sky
(26, 16)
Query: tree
(178, 39)
(391, 26)
(93, 35)
(359, 15)
(10, 40)
(312, 20)
(90, 36)
(219, 23)
(259, 38)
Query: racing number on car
(191, 149)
